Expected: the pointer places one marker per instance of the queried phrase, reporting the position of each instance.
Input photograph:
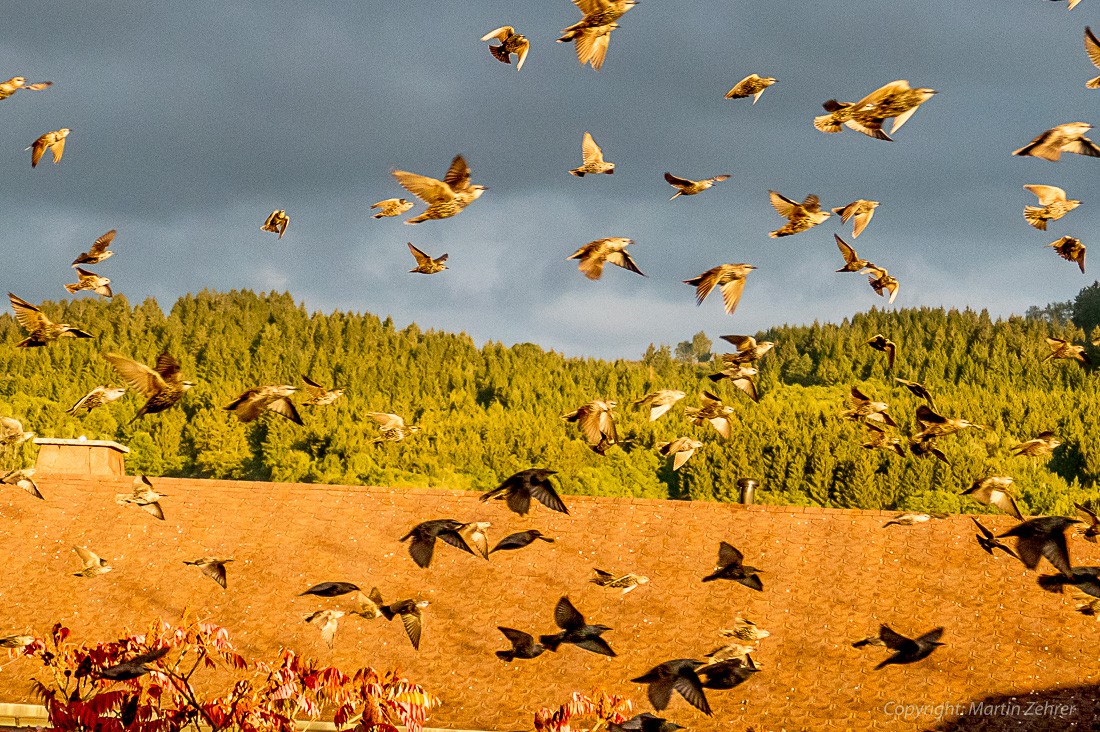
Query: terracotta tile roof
(830, 576)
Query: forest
(487, 412)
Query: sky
(192, 121)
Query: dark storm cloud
(191, 122)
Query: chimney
(80, 457)
(748, 490)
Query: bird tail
(551, 642)
(1033, 215)
(72, 288)
(677, 193)
(418, 219)
(577, 172)
(826, 123)
(500, 54)
(377, 216)
(1093, 83)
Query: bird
(11, 432)
(688, 187)
(594, 254)
(741, 377)
(423, 536)
(1092, 48)
(276, 222)
(523, 645)
(994, 491)
(510, 42)
(881, 343)
(1042, 445)
(98, 251)
(749, 350)
(660, 401)
(391, 207)
(1091, 531)
(42, 330)
(989, 542)
(711, 410)
(908, 650)
(212, 567)
(917, 389)
(1060, 348)
(908, 519)
(90, 281)
(862, 211)
(1072, 4)
(728, 674)
(325, 620)
(596, 421)
(97, 397)
(936, 425)
(867, 411)
(410, 611)
(445, 198)
(424, 263)
(1053, 205)
(1070, 249)
(681, 449)
(136, 667)
(365, 607)
(330, 589)
(745, 630)
(1043, 537)
(922, 445)
(144, 496)
(896, 99)
(253, 403)
(852, 262)
(1069, 137)
(319, 396)
(93, 565)
(162, 387)
(676, 675)
(879, 440)
(519, 540)
(52, 141)
(729, 652)
(731, 567)
(22, 478)
(730, 278)
(517, 491)
(591, 34)
(881, 282)
(626, 582)
(592, 157)
(644, 722)
(392, 427)
(800, 216)
(19, 83)
(752, 85)
(16, 641)
(575, 630)
(475, 536)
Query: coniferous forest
(490, 411)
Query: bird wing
(501, 34)
(740, 342)
(862, 219)
(414, 626)
(517, 638)
(981, 527)
(1046, 194)
(590, 150)
(90, 558)
(1086, 512)
(566, 616)
(476, 539)
(100, 245)
(1006, 503)
(1056, 551)
(846, 250)
(812, 203)
(590, 423)
(691, 688)
(522, 50)
(782, 204)
(421, 550)
(215, 571)
(458, 175)
(138, 375)
(731, 294)
(704, 283)
(682, 456)
(422, 259)
(455, 539)
(283, 406)
(1092, 47)
(728, 554)
(607, 426)
(328, 630)
(931, 636)
(30, 317)
(879, 95)
(545, 494)
(592, 46)
(426, 189)
(387, 421)
(903, 118)
(591, 6)
(58, 149)
(1084, 146)
(315, 389)
(892, 639)
(660, 693)
(926, 416)
(153, 509)
(596, 645)
(678, 181)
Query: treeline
(490, 411)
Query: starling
(520, 540)
(576, 631)
(1085, 580)
(994, 491)
(391, 207)
(22, 478)
(19, 83)
(1093, 529)
(1060, 348)
(423, 536)
(659, 402)
(93, 565)
(42, 330)
(644, 722)
(800, 216)
(392, 428)
(871, 413)
(258, 400)
(1043, 537)
(424, 263)
(626, 582)
(319, 396)
(908, 650)
(326, 621)
(881, 282)
(896, 99)
(1053, 205)
(331, 589)
(163, 387)
(936, 425)
(688, 187)
(730, 567)
(748, 350)
(752, 85)
(879, 440)
(729, 277)
(711, 410)
(144, 497)
(97, 397)
(98, 251)
(595, 421)
(1069, 137)
(613, 249)
(862, 210)
(880, 343)
(510, 42)
(410, 612)
(676, 675)
(728, 674)
(729, 652)
(741, 377)
(852, 262)
(922, 445)
(681, 449)
(212, 567)
(1092, 48)
(11, 432)
(592, 156)
(908, 519)
(523, 645)
(445, 198)
(136, 667)
(590, 35)
(365, 607)
(989, 542)
(518, 490)
(1042, 445)
(475, 537)
(746, 630)
(917, 389)
(16, 641)
(90, 281)
(598, 13)
(52, 141)
(276, 223)
(1070, 249)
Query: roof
(830, 575)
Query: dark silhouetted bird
(518, 490)
(423, 537)
(1043, 537)
(644, 722)
(331, 589)
(731, 567)
(576, 631)
(676, 675)
(163, 387)
(908, 650)
(1070, 249)
(918, 390)
(136, 667)
(410, 612)
(523, 645)
(988, 541)
(519, 540)
(212, 567)
(728, 674)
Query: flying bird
(93, 565)
(688, 187)
(575, 630)
(680, 450)
(748, 349)
(800, 216)
(391, 207)
(896, 99)
(752, 85)
(22, 478)
(677, 675)
(520, 540)
(741, 377)
(90, 281)
(11, 432)
(445, 198)
(593, 162)
(1069, 137)
(596, 421)
(410, 612)
(1092, 48)
(144, 496)
(326, 620)
(331, 589)
(319, 396)
(162, 387)
(881, 282)
(517, 491)
(995, 490)
(852, 262)
(626, 582)
(97, 397)
(916, 388)
(1060, 348)
(475, 536)
(594, 254)
(644, 722)
(711, 410)
(1072, 4)
(392, 427)
(908, 650)
(250, 405)
(862, 211)
(136, 667)
(510, 43)
(523, 645)
(745, 630)
(19, 83)
(424, 262)
(731, 567)
(42, 330)
(865, 410)
(98, 251)
(909, 518)
(212, 567)
(1043, 537)
(52, 141)
(881, 343)
(1091, 531)
(1053, 205)
(276, 222)
(879, 440)
(1042, 445)
(1070, 249)
(936, 425)
(730, 278)
(423, 536)
(988, 541)
(923, 445)
(591, 34)
(659, 402)
(728, 674)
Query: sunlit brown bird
(162, 387)
(1070, 249)
(751, 86)
(852, 262)
(1060, 348)
(392, 427)
(276, 223)
(326, 621)
(881, 282)
(19, 83)
(592, 156)
(729, 277)
(11, 432)
(93, 565)
(688, 187)
(680, 450)
(594, 254)
(1042, 445)
(861, 210)
(510, 42)
(1072, 4)
(391, 207)
(319, 396)
(712, 411)
(144, 496)
(864, 409)
(42, 330)
(995, 490)
(923, 445)
(896, 99)
(748, 349)
(22, 478)
(424, 263)
(936, 425)
(98, 251)
(445, 198)
(410, 612)
(745, 630)
(626, 582)
(875, 439)
(518, 490)
(1053, 205)
(800, 216)
(741, 377)
(97, 397)
(918, 390)
(253, 403)
(881, 343)
(52, 141)
(909, 518)
(476, 537)
(596, 421)
(1069, 137)
(90, 281)
(660, 401)
(212, 567)
(591, 34)
(1092, 48)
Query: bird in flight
(593, 162)
(98, 251)
(518, 490)
(42, 330)
(97, 397)
(510, 43)
(90, 281)
(445, 198)
(52, 141)
(391, 207)
(1070, 249)
(729, 278)
(752, 85)
(424, 262)
(252, 404)
(594, 254)
(800, 216)
(688, 187)
(861, 210)
(19, 83)
(1053, 205)
(276, 222)
(1068, 137)
(162, 387)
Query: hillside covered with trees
(490, 411)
